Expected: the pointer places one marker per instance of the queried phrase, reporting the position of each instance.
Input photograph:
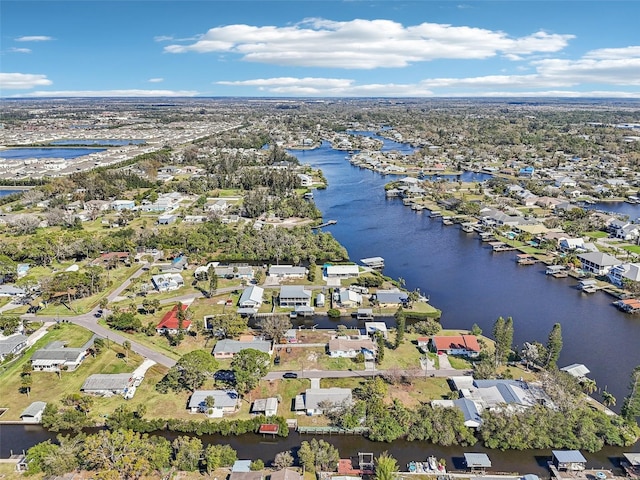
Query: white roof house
(342, 271)
(598, 263)
(224, 401)
(313, 397)
(33, 413)
(251, 297)
(287, 271)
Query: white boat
(433, 463)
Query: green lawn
(596, 234)
(48, 386)
(405, 356)
(632, 248)
(459, 363)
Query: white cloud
(292, 82)
(163, 38)
(34, 38)
(19, 50)
(113, 93)
(156, 80)
(19, 81)
(365, 44)
(329, 87)
(552, 77)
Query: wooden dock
(325, 224)
(332, 430)
(501, 247)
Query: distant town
(164, 268)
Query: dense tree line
(542, 428)
(125, 454)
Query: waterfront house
(345, 347)
(286, 474)
(105, 384)
(33, 413)
(391, 298)
(287, 271)
(265, 406)
(171, 324)
(624, 230)
(320, 300)
(342, 271)
(167, 282)
(470, 410)
(251, 297)
(464, 345)
(349, 299)
(227, 348)
(598, 263)
(250, 475)
(317, 400)
(571, 244)
(56, 357)
(12, 345)
(371, 328)
(294, 295)
(225, 402)
(627, 271)
(500, 394)
(305, 180)
(569, 460)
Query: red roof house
(466, 345)
(169, 323)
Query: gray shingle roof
(103, 381)
(235, 346)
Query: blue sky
(351, 48)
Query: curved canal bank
(464, 279)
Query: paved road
(366, 373)
(90, 322)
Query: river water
(470, 284)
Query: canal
(466, 280)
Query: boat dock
(557, 271)
(501, 247)
(629, 305)
(526, 259)
(373, 262)
(589, 286)
(326, 224)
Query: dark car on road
(290, 375)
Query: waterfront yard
(47, 386)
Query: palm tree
(589, 385)
(127, 346)
(26, 382)
(608, 400)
